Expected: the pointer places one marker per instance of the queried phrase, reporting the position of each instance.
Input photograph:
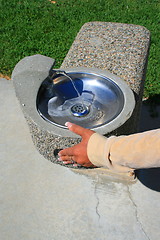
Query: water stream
(77, 106)
(74, 86)
(78, 93)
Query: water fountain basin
(95, 99)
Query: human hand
(77, 155)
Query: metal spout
(54, 73)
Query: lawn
(49, 27)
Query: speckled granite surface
(47, 142)
(120, 48)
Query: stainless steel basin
(90, 100)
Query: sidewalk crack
(97, 198)
(136, 213)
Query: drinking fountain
(90, 97)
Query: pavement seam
(136, 213)
(97, 198)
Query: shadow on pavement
(150, 178)
(150, 119)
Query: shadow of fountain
(150, 178)
(150, 114)
(149, 120)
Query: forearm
(125, 153)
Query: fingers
(67, 152)
(67, 156)
(69, 160)
(75, 160)
(77, 129)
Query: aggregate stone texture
(47, 143)
(44, 201)
(120, 48)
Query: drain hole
(79, 110)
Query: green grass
(38, 26)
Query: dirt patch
(52, 1)
(4, 76)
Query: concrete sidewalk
(43, 201)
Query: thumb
(78, 129)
